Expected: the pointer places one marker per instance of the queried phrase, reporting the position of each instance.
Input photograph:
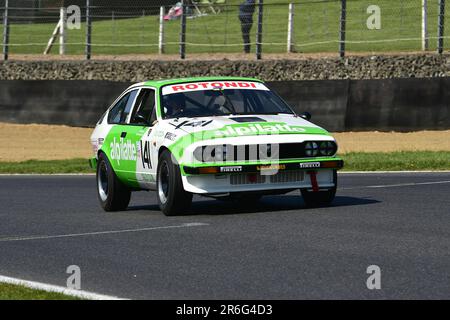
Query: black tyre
(321, 198)
(172, 198)
(112, 193)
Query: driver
(175, 105)
(220, 105)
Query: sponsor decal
(309, 165)
(271, 167)
(170, 136)
(145, 154)
(95, 147)
(197, 123)
(97, 144)
(214, 85)
(193, 124)
(231, 169)
(123, 150)
(234, 130)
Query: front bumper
(255, 168)
(265, 177)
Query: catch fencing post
(441, 21)
(290, 36)
(259, 31)
(62, 30)
(342, 28)
(183, 32)
(6, 32)
(161, 31)
(425, 44)
(88, 30)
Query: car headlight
(216, 153)
(327, 148)
(220, 153)
(311, 149)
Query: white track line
(411, 184)
(44, 237)
(57, 289)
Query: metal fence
(114, 27)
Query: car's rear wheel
(320, 198)
(172, 198)
(112, 193)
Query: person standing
(246, 10)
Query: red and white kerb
(224, 85)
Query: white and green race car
(217, 137)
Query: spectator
(246, 10)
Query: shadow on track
(266, 204)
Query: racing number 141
(145, 154)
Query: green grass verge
(13, 292)
(316, 29)
(396, 161)
(43, 167)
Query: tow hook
(313, 177)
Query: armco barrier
(338, 105)
(398, 104)
(74, 103)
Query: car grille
(240, 179)
(280, 177)
(287, 176)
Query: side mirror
(306, 115)
(142, 119)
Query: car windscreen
(208, 99)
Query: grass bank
(397, 161)
(393, 161)
(13, 292)
(46, 167)
(316, 29)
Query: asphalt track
(275, 250)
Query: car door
(120, 139)
(142, 120)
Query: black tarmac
(277, 249)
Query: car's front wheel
(321, 198)
(112, 193)
(172, 198)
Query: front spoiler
(253, 168)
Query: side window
(145, 107)
(118, 114)
(115, 114)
